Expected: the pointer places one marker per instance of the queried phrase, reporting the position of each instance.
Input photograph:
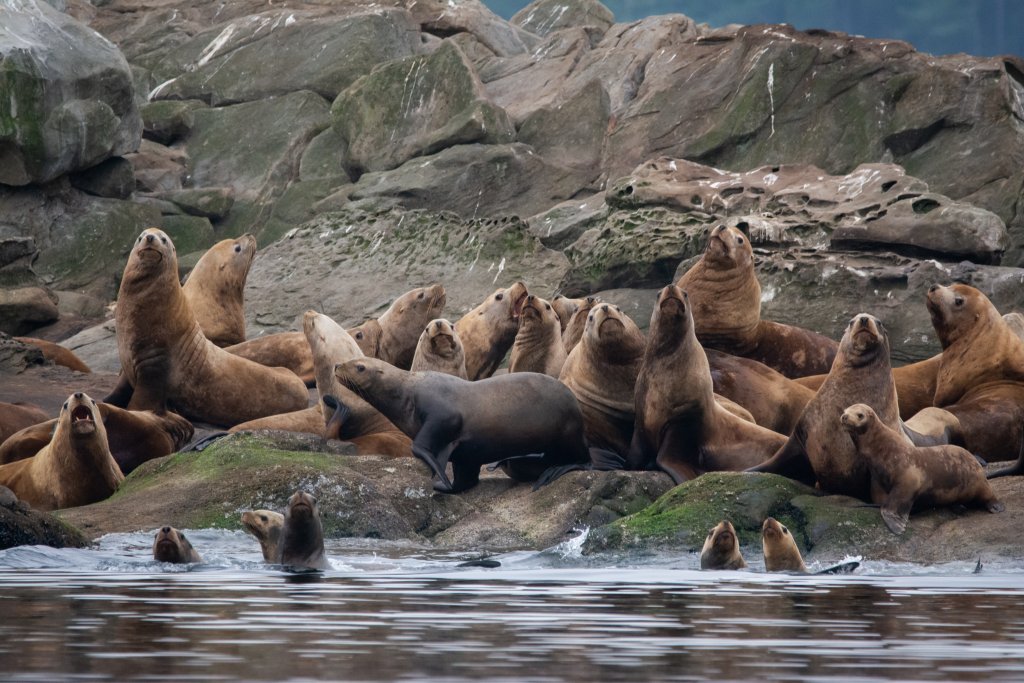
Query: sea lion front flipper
(896, 522)
(790, 461)
(672, 451)
(121, 394)
(342, 412)
(552, 473)
(433, 445)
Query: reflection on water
(387, 613)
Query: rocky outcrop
(21, 525)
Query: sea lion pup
(170, 545)
(475, 423)
(440, 350)
(774, 400)
(781, 553)
(488, 331)
(538, 343)
(902, 474)
(15, 417)
(133, 436)
(573, 331)
(215, 289)
(166, 360)
(722, 549)
(301, 542)
(57, 354)
(601, 373)
(680, 427)
(74, 468)
(266, 526)
(726, 297)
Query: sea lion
(565, 308)
(307, 421)
(301, 543)
(538, 343)
(475, 423)
(819, 449)
(774, 400)
(166, 359)
(781, 553)
(903, 475)
(573, 331)
(726, 298)
(440, 350)
(57, 354)
(170, 545)
(601, 372)
(133, 436)
(215, 289)
(74, 468)
(15, 417)
(488, 331)
(680, 427)
(279, 350)
(722, 549)
(266, 526)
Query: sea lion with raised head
(166, 360)
(903, 475)
(565, 307)
(722, 549)
(726, 298)
(471, 424)
(57, 354)
(775, 402)
(488, 331)
(74, 468)
(538, 343)
(301, 543)
(440, 350)
(215, 289)
(170, 545)
(573, 331)
(680, 427)
(781, 553)
(265, 526)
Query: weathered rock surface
(21, 525)
(16, 356)
(26, 308)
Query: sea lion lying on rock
(215, 289)
(170, 545)
(15, 417)
(57, 354)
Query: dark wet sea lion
(440, 350)
(57, 354)
(488, 331)
(781, 553)
(170, 545)
(475, 423)
(265, 526)
(726, 298)
(680, 427)
(74, 468)
(15, 417)
(301, 544)
(215, 289)
(903, 475)
(722, 549)
(166, 360)
(538, 343)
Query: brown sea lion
(15, 417)
(781, 553)
(133, 436)
(307, 421)
(167, 361)
(170, 545)
(774, 400)
(266, 526)
(280, 350)
(475, 423)
(601, 372)
(301, 543)
(488, 331)
(57, 354)
(565, 308)
(680, 427)
(726, 298)
(722, 549)
(538, 343)
(440, 350)
(74, 468)
(215, 289)
(573, 331)
(903, 475)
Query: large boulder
(68, 99)
(545, 16)
(21, 525)
(26, 308)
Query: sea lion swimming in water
(301, 543)
(781, 553)
(170, 545)
(265, 526)
(722, 549)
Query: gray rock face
(26, 308)
(68, 102)
(16, 356)
(545, 16)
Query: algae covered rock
(21, 525)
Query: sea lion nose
(604, 308)
(863, 320)
(591, 299)
(166, 530)
(437, 324)
(79, 394)
(150, 238)
(530, 298)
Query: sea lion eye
(164, 240)
(499, 297)
(959, 301)
(238, 248)
(785, 531)
(739, 240)
(263, 518)
(547, 307)
(360, 368)
(65, 406)
(420, 295)
(359, 335)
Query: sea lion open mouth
(81, 420)
(81, 413)
(519, 304)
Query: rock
(415, 107)
(16, 257)
(365, 496)
(166, 121)
(306, 50)
(385, 252)
(22, 310)
(544, 16)
(69, 104)
(445, 18)
(561, 225)
(97, 347)
(21, 525)
(209, 202)
(158, 168)
(324, 158)
(113, 178)
(189, 233)
(77, 304)
(301, 202)
(16, 356)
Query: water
(393, 612)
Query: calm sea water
(389, 612)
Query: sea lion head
(265, 525)
(153, 252)
(781, 552)
(537, 311)
(565, 308)
(302, 506)
(170, 545)
(505, 304)
(864, 339)
(440, 335)
(857, 418)
(81, 416)
(426, 301)
(326, 336)
(672, 318)
(721, 548)
(576, 326)
(956, 311)
(772, 529)
(728, 248)
(241, 253)
(365, 376)
(722, 537)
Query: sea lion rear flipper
(896, 522)
(342, 412)
(552, 473)
(1013, 470)
(605, 460)
(790, 461)
(205, 442)
(841, 568)
(121, 394)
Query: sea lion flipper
(332, 430)
(121, 394)
(790, 461)
(995, 506)
(896, 522)
(552, 473)
(675, 445)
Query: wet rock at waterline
(21, 525)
